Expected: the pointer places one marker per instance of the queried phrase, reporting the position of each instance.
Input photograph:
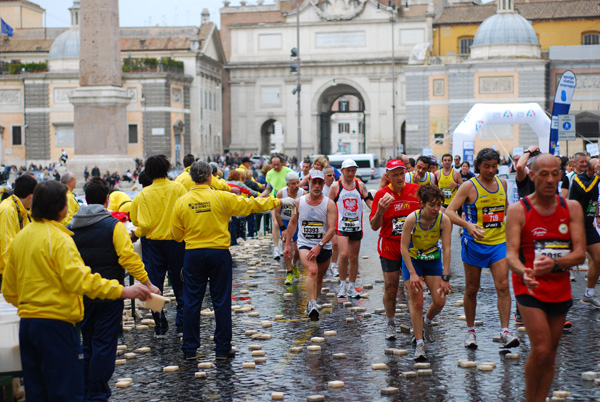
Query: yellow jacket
(128, 258)
(155, 207)
(119, 202)
(201, 217)
(73, 208)
(10, 210)
(133, 209)
(50, 282)
(219, 184)
(185, 179)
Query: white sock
(503, 330)
(471, 329)
(426, 320)
(334, 265)
(350, 285)
(420, 342)
(342, 283)
(589, 292)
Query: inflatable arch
(508, 113)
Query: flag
(5, 28)
(562, 104)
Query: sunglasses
(331, 174)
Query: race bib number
(492, 217)
(447, 193)
(312, 230)
(553, 249)
(398, 225)
(430, 254)
(286, 213)
(350, 225)
(591, 208)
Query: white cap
(316, 174)
(349, 163)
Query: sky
(140, 13)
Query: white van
(367, 163)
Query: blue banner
(562, 104)
(5, 28)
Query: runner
(391, 205)
(584, 189)
(315, 216)
(484, 241)
(448, 179)
(421, 261)
(544, 239)
(283, 216)
(332, 271)
(348, 193)
(421, 174)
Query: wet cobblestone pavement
(304, 373)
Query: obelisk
(100, 123)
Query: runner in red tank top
(545, 237)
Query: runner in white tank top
(348, 194)
(283, 216)
(315, 218)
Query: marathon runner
(391, 205)
(315, 218)
(421, 174)
(484, 241)
(448, 179)
(545, 238)
(422, 261)
(332, 271)
(348, 193)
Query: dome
(505, 28)
(64, 52)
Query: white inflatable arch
(495, 113)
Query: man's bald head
(544, 160)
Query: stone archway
(271, 136)
(333, 92)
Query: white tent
(508, 113)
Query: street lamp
(393, 10)
(295, 69)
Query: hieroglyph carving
(62, 95)
(496, 85)
(10, 97)
(338, 10)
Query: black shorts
(323, 256)
(356, 236)
(591, 234)
(388, 265)
(559, 308)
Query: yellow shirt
(128, 258)
(219, 184)
(155, 207)
(73, 208)
(133, 209)
(185, 179)
(201, 217)
(424, 242)
(119, 202)
(10, 211)
(444, 185)
(50, 282)
(488, 212)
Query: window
(465, 45)
(133, 134)
(344, 106)
(591, 39)
(439, 138)
(344, 127)
(361, 127)
(17, 135)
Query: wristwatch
(320, 243)
(446, 278)
(527, 152)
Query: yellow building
(19, 14)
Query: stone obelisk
(100, 124)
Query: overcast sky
(138, 13)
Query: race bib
(286, 213)
(398, 225)
(492, 217)
(591, 208)
(312, 230)
(350, 225)
(447, 193)
(430, 254)
(552, 248)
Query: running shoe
(428, 332)
(471, 340)
(226, 355)
(334, 272)
(567, 324)
(276, 253)
(390, 332)
(312, 310)
(351, 292)
(508, 340)
(420, 355)
(518, 319)
(342, 292)
(592, 301)
(572, 276)
(296, 271)
(289, 279)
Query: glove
(288, 202)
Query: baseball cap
(349, 163)
(245, 159)
(316, 174)
(394, 164)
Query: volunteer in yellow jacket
(201, 219)
(119, 201)
(154, 206)
(422, 260)
(69, 180)
(14, 216)
(47, 288)
(185, 178)
(484, 241)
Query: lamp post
(392, 9)
(298, 84)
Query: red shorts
(389, 248)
